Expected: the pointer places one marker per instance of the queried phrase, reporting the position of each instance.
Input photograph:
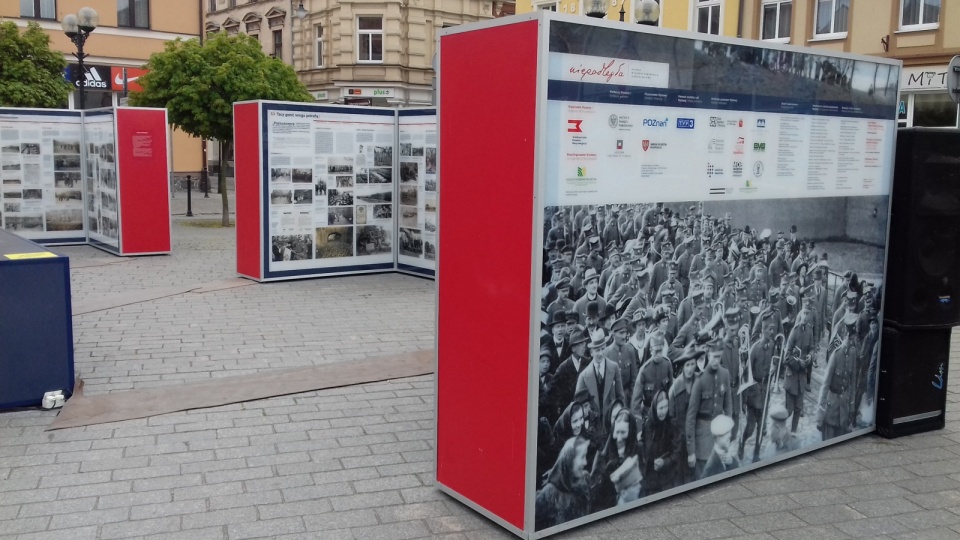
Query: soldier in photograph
(710, 396)
(568, 372)
(799, 352)
(656, 374)
(837, 408)
(625, 356)
(722, 457)
(754, 397)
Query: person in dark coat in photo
(624, 355)
(565, 495)
(563, 303)
(722, 456)
(710, 397)
(619, 451)
(565, 378)
(547, 408)
(754, 397)
(655, 375)
(679, 399)
(660, 442)
(798, 354)
(591, 283)
(781, 439)
(837, 410)
(557, 343)
(601, 379)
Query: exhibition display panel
(327, 190)
(683, 278)
(36, 324)
(98, 176)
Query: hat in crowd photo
(582, 396)
(732, 313)
(564, 283)
(609, 311)
(598, 340)
(558, 317)
(641, 315)
(779, 413)
(774, 293)
(593, 309)
(689, 355)
(697, 296)
(645, 272)
(620, 324)
(589, 275)
(659, 315)
(721, 425)
(766, 315)
(764, 234)
(545, 351)
(579, 335)
(850, 319)
(793, 228)
(566, 249)
(586, 227)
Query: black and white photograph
(770, 306)
(340, 165)
(11, 181)
(66, 147)
(361, 176)
(291, 247)
(361, 214)
(406, 149)
(13, 194)
(376, 197)
(429, 251)
(30, 149)
(66, 179)
(320, 188)
(279, 174)
(430, 205)
(408, 195)
(381, 176)
(410, 242)
(302, 196)
(334, 242)
(106, 152)
(373, 240)
(408, 216)
(10, 166)
(430, 160)
(344, 181)
(430, 185)
(34, 194)
(23, 223)
(108, 201)
(303, 176)
(382, 211)
(10, 149)
(65, 220)
(11, 207)
(383, 156)
(339, 197)
(430, 223)
(409, 173)
(66, 196)
(281, 196)
(417, 151)
(108, 178)
(108, 227)
(66, 163)
(340, 215)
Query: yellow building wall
(187, 152)
(675, 14)
(950, 19)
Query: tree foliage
(31, 75)
(198, 84)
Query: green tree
(199, 83)
(31, 75)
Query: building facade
(129, 31)
(270, 21)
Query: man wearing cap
(661, 268)
(689, 330)
(601, 379)
(563, 303)
(623, 285)
(689, 304)
(638, 340)
(641, 298)
(864, 360)
(710, 396)
(779, 264)
(798, 355)
(594, 255)
(679, 399)
(759, 283)
(656, 374)
(837, 407)
(611, 231)
(672, 282)
(731, 358)
(665, 321)
(840, 294)
(565, 378)
(614, 266)
(591, 283)
(625, 355)
(781, 438)
(754, 397)
(849, 307)
(722, 457)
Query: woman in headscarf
(659, 451)
(615, 474)
(565, 495)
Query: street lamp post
(300, 13)
(77, 28)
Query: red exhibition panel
(144, 188)
(246, 140)
(487, 128)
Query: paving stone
(132, 529)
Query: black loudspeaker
(912, 393)
(923, 266)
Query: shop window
(934, 110)
(370, 39)
(38, 9)
(776, 19)
(133, 13)
(832, 18)
(919, 14)
(708, 17)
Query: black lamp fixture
(647, 12)
(77, 28)
(597, 9)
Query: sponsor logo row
(623, 122)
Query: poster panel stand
(670, 210)
(417, 191)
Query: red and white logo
(573, 126)
(117, 78)
(645, 144)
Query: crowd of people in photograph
(675, 347)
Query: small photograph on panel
(430, 223)
(66, 179)
(32, 194)
(108, 177)
(430, 205)
(376, 197)
(281, 196)
(12, 181)
(340, 215)
(410, 242)
(339, 197)
(408, 216)
(24, 223)
(340, 165)
(279, 174)
(61, 146)
(345, 181)
(430, 160)
(320, 188)
(66, 196)
(430, 185)
(406, 149)
(10, 166)
(382, 211)
(383, 156)
(107, 152)
(334, 242)
(108, 227)
(302, 196)
(408, 195)
(92, 223)
(11, 207)
(417, 151)
(409, 172)
(108, 201)
(361, 215)
(381, 176)
(303, 176)
(362, 176)
(13, 194)
(10, 149)
(66, 163)
(65, 220)
(30, 149)
(373, 240)
(291, 247)
(429, 250)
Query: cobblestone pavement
(356, 462)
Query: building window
(708, 17)
(256, 37)
(133, 13)
(318, 34)
(550, 6)
(776, 19)
(38, 9)
(832, 17)
(278, 43)
(934, 110)
(231, 4)
(253, 27)
(370, 39)
(211, 6)
(919, 14)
